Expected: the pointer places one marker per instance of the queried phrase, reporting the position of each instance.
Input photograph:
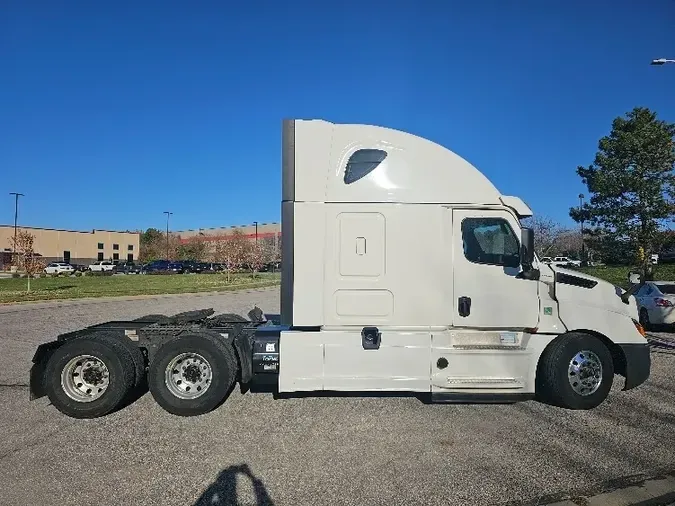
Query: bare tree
(256, 257)
(547, 234)
(270, 251)
(232, 251)
(569, 242)
(25, 258)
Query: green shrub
(78, 274)
(16, 275)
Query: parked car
(656, 303)
(128, 268)
(156, 267)
(667, 256)
(102, 266)
(192, 266)
(59, 268)
(210, 268)
(176, 268)
(566, 262)
(80, 267)
(546, 260)
(271, 267)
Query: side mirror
(527, 248)
(527, 254)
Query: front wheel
(192, 375)
(576, 371)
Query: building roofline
(72, 231)
(226, 227)
(217, 238)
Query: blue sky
(113, 112)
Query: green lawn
(618, 275)
(14, 290)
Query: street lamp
(256, 232)
(661, 61)
(168, 213)
(16, 216)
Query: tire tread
(118, 390)
(228, 368)
(552, 389)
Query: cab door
(489, 292)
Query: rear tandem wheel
(193, 374)
(89, 377)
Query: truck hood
(591, 292)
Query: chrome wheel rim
(585, 373)
(188, 376)
(85, 378)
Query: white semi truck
(403, 269)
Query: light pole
(662, 61)
(256, 232)
(581, 210)
(16, 217)
(168, 213)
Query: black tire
(127, 349)
(644, 319)
(553, 384)
(219, 354)
(120, 369)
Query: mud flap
(37, 371)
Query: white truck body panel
(387, 230)
(597, 309)
(478, 361)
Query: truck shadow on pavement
(223, 491)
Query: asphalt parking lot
(313, 450)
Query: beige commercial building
(73, 246)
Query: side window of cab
(490, 241)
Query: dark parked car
(667, 257)
(211, 267)
(157, 267)
(192, 266)
(176, 268)
(128, 268)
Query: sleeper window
(490, 241)
(362, 163)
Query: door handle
(464, 306)
(370, 338)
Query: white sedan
(656, 303)
(59, 268)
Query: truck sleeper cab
(403, 269)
